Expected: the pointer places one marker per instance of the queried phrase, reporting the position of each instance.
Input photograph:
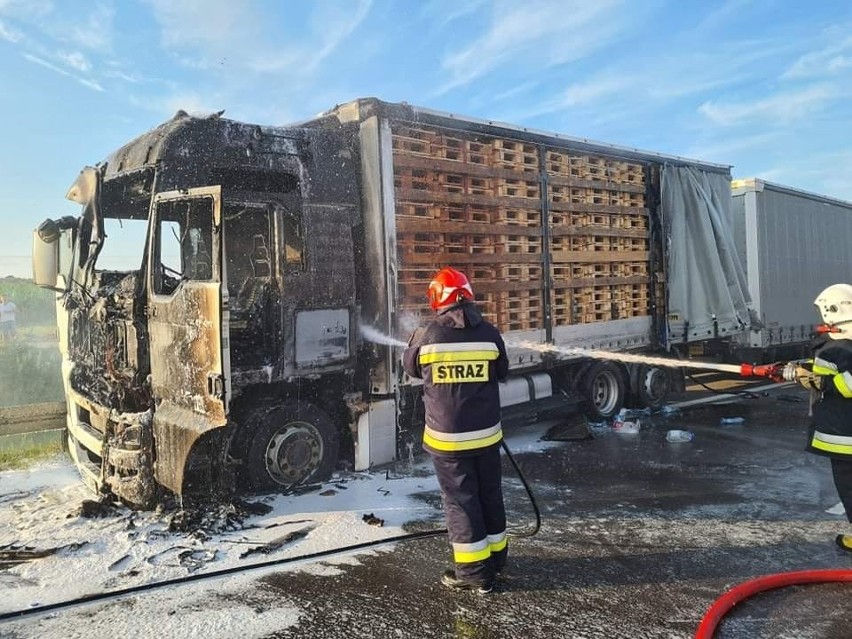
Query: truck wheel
(294, 444)
(603, 390)
(654, 386)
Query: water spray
(377, 337)
(631, 357)
(770, 371)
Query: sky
(763, 85)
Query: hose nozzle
(770, 371)
(827, 328)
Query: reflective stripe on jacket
(460, 358)
(831, 427)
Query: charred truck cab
(229, 353)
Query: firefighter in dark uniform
(460, 358)
(829, 377)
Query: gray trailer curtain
(707, 291)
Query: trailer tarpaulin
(707, 291)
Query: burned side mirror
(46, 255)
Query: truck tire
(294, 444)
(653, 386)
(603, 390)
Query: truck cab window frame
(183, 243)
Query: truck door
(187, 326)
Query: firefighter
(829, 377)
(460, 357)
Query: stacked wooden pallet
(599, 245)
(475, 202)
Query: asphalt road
(639, 537)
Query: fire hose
(720, 607)
(725, 603)
(124, 592)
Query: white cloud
(165, 106)
(829, 60)
(585, 93)
(11, 35)
(26, 9)
(637, 82)
(45, 64)
(538, 34)
(782, 108)
(90, 28)
(722, 15)
(210, 25)
(75, 60)
(824, 173)
(334, 26)
(233, 33)
(724, 148)
(95, 32)
(49, 65)
(442, 12)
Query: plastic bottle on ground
(675, 436)
(731, 421)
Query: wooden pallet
(517, 216)
(514, 155)
(630, 269)
(522, 244)
(631, 221)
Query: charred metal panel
(329, 250)
(184, 140)
(186, 374)
(185, 349)
(176, 430)
(327, 281)
(188, 368)
(322, 337)
(376, 179)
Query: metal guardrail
(32, 418)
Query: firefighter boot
(450, 580)
(844, 542)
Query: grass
(29, 374)
(22, 451)
(43, 333)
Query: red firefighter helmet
(448, 287)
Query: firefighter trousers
(841, 470)
(472, 495)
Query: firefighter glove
(793, 372)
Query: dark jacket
(460, 357)
(831, 427)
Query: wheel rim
(655, 385)
(294, 453)
(605, 392)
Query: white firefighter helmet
(835, 307)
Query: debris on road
(372, 520)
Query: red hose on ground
(735, 595)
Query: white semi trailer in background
(792, 244)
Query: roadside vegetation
(30, 364)
(27, 450)
(29, 370)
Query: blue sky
(763, 85)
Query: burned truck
(231, 352)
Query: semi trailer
(232, 352)
(792, 245)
